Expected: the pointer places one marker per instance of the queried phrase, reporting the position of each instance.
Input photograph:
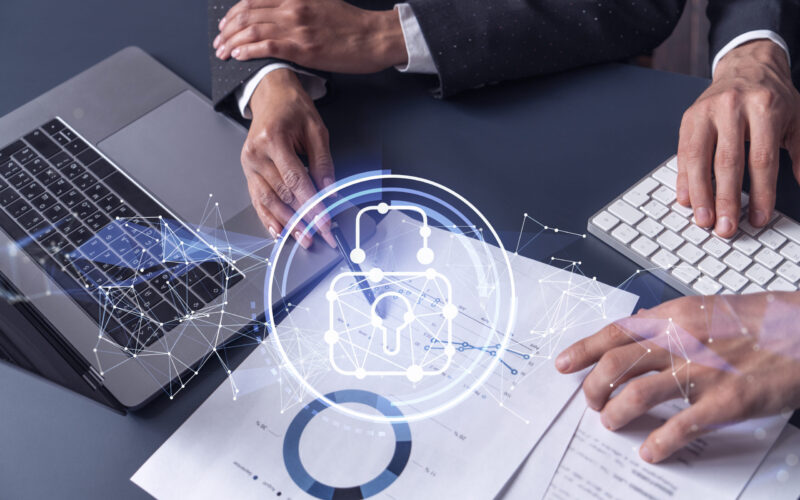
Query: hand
(732, 357)
(285, 123)
(751, 98)
(327, 35)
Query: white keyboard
(648, 226)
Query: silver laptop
(121, 208)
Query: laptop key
(32, 190)
(110, 203)
(73, 170)
(85, 181)
(61, 160)
(71, 198)
(83, 209)
(36, 166)
(9, 168)
(148, 297)
(165, 314)
(42, 143)
(88, 156)
(97, 221)
(20, 179)
(76, 146)
(207, 289)
(61, 139)
(68, 224)
(79, 236)
(44, 202)
(55, 213)
(8, 196)
(24, 155)
(30, 219)
(48, 176)
(60, 186)
(101, 168)
(53, 126)
(9, 150)
(97, 192)
(18, 208)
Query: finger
(694, 152)
(245, 5)
(682, 186)
(279, 49)
(728, 169)
(587, 351)
(793, 146)
(764, 155)
(638, 397)
(703, 416)
(248, 34)
(619, 365)
(260, 194)
(270, 201)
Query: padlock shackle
(424, 255)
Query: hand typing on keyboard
(751, 98)
(285, 122)
(731, 357)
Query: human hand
(285, 123)
(733, 357)
(751, 98)
(328, 35)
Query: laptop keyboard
(648, 226)
(114, 249)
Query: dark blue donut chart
(301, 477)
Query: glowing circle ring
(318, 489)
(290, 229)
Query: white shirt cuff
(749, 37)
(419, 55)
(313, 84)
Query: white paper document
(604, 464)
(778, 476)
(275, 440)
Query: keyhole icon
(392, 348)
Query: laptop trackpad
(181, 152)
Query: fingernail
(222, 22)
(759, 218)
(562, 362)
(644, 452)
(703, 217)
(300, 239)
(220, 50)
(216, 42)
(327, 182)
(604, 421)
(235, 52)
(724, 225)
(273, 233)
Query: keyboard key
(88, 156)
(748, 228)
(9, 168)
(768, 258)
(61, 139)
(666, 176)
(625, 212)
(85, 181)
(664, 195)
(644, 246)
(711, 266)
(746, 244)
(781, 285)
(624, 233)
(646, 186)
(68, 224)
(79, 236)
(97, 192)
(18, 209)
(32, 190)
(655, 209)
(61, 160)
(707, 286)
(752, 288)
(664, 259)
(165, 314)
(690, 253)
(685, 273)
(674, 221)
(605, 221)
(48, 176)
(8, 196)
(121, 212)
(733, 280)
(102, 169)
(71, 198)
(737, 260)
(636, 198)
(791, 251)
(208, 289)
(60, 186)
(73, 170)
(669, 240)
(36, 166)
(83, 209)
(650, 228)
(183, 300)
(30, 219)
(759, 274)
(716, 247)
(789, 271)
(109, 204)
(672, 164)
(696, 234)
(76, 146)
(7, 151)
(148, 297)
(42, 143)
(788, 228)
(97, 221)
(24, 155)
(771, 239)
(20, 179)
(55, 213)
(53, 126)
(681, 210)
(69, 134)
(44, 202)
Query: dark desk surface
(556, 148)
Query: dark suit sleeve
(731, 18)
(227, 76)
(475, 42)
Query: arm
(751, 99)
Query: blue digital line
(491, 350)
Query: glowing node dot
(450, 350)
(358, 255)
(430, 273)
(331, 337)
(383, 208)
(331, 295)
(449, 311)
(376, 321)
(425, 255)
(414, 373)
(375, 274)
(408, 317)
(360, 373)
(425, 231)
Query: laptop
(122, 203)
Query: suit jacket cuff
(749, 37)
(313, 84)
(419, 55)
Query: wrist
(756, 53)
(279, 80)
(387, 38)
